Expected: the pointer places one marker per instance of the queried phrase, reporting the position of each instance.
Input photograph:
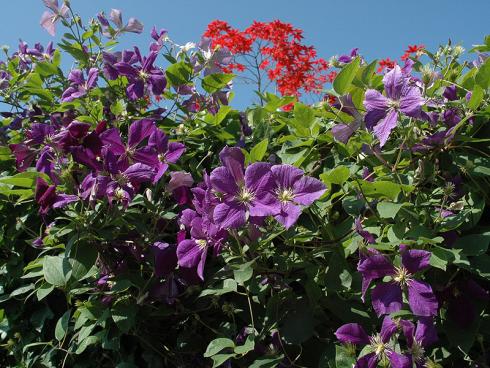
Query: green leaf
(247, 346)
(386, 189)
(258, 151)
(53, 270)
(388, 209)
(243, 273)
(215, 346)
(474, 244)
(337, 175)
(344, 79)
(476, 97)
(23, 180)
(304, 115)
(266, 362)
(343, 358)
(441, 257)
(215, 82)
(228, 286)
(91, 340)
(62, 326)
(298, 325)
(179, 73)
(220, 359)
(44, 291)
(124, 315)
(482, 77)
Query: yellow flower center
(402, 276)
(245, 196)
(202, 243)
(285, 195)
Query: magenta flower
(387, 297)
(348, 58)
(293, 190)
(79, 86)
(245, 192)
(47, 197)
(133, 25)
(165, 152)
(192, 253)
(419, 338)
(49, 18)
(401, 98)
(145, 76)
(379, 346)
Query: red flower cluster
(386, 63)
(413, 49)
(290, 64)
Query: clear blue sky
(380, 28)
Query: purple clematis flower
(78, 86)
(49, 18)
(4, 80)
(159, 37)
(124, 183)
(166, 152)
(419, 338)
(141, 77)
(138, 132)
(179, 185)
(47, 197)
(348, 58)
(293, 190)
(165, 258)
(387, 297)
(401, 98)
(192, 253)
(133, 25)
(245, 192)
(379, 344)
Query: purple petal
(383, 129)
(126, 69)
(189, 253)
(134, 25)
(426, 333)
(367, 361)
(352, 333)
(398, 360)
(233, 159)
(175, 150)
(307, 190)
(229, 216)
(223, 181)
(394, 82)
(139, 173)
(135, 90)
(116, 18)
(415, 260)
(258, 178)
(112, 138)
(93, 75)
(386, 298)
(411, 102)
(140, 130)
(289, 214)
(388, 328)
(286, 175)
(64, 199)
(47, 22)
(165, 258)
(422, 299)
(376, 266)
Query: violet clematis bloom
(379, 344)
(49, 18)
(47, 197)
(79, 87)
(348, 58)
(387, 297)
(246, 192)
(124, 183)
(144, 76)
(192, 253)
(419, 338)
(4, 80)
(179, 185)
(138, 132)
(165, 258)
(293, 190)
(401, 98)
(166, 152)
(159, 37)
(133, 25)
